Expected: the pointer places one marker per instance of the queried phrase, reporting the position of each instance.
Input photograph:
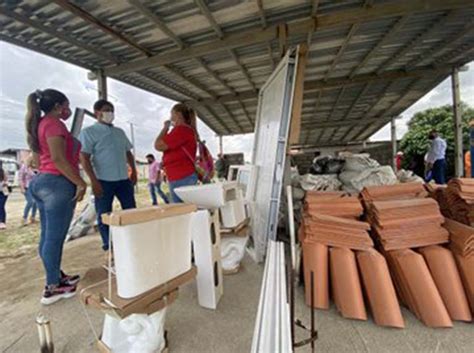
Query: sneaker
(24, 223)
(32, 220)
(69, 280)
(52, 294)
(3, 226)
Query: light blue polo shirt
(108, 147)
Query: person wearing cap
(106, 152)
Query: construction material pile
(335, 203)
(334, 245)
(393, 192)
(403, 224)
(462, 246)
(460, 200)
(438, 192)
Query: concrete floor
(194, 329)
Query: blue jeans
(157, 186)
(3, 213)
(123, 190)
(189, 180)
(30, 205)
(439, 171)
(54, 195)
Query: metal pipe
(45, 334)
(393, 130)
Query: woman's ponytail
(32, 119)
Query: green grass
(17, 240)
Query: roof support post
(102, 84)
(458, 145)
(393, 134)
(221, 144)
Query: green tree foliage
(415, 142)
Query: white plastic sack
(407, 176)
(297, 193)
(359, 162)
(356, 181)
(137, 333)
(232, 251)
(328, 182)
(84, 223)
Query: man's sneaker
(3, 226)
(69, 280)
(52, 294)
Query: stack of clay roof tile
(462, 246)
(333, 204)
(460, 198)
(403, 224)
(332, 248)
(393, 192)
(438, 192)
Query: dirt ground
(190, 327)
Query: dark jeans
(123, 190)
(439, 171)
(3, 213)
(30, 205)
(54, 195)
(157, 186)
(189, 180)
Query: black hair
(102, 103)
(37, 102)
(150, 156)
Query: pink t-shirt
(51, 127)
(154, 172)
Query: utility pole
(458, 155)
(132, 135)
(393, 130)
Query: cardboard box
(95, 294)
(141, 215)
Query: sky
(23, 71)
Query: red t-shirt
(178, 159)
(51, 127)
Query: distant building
(18, 154)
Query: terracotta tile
(315, 258)
(394, 192)
(379, 288)
(461, 237)
(459, 197)
(466, 270)
(346, 284)
(446, 276)
(423, 293)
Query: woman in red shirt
(179, 148)
(58, 186)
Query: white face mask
(108, 117)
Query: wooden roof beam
(145, 11)
(324, 21)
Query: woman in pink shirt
(58, 186)
(25, 175)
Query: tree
(415, 143)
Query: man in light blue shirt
(106, 151)
(435, 158)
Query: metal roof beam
(253, 36)
(145, 11)
(388, 36)
(439, 23)
(84, 15)
(261, 12)
(207, 13)
(318, 85)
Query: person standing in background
(25, 175)
(222, 166)
(106, 152)
(3, 197)
(154, 179)
(467, 165)
(57, 187)
(435, 158)
(179, 148)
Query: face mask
(108, 117)
(65, 113)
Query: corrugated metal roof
(367, 62)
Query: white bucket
(151, 253)
(137, 333)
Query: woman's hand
(80, 191)
(167, 125)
